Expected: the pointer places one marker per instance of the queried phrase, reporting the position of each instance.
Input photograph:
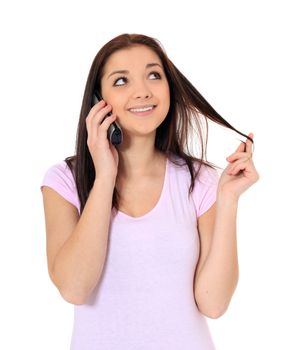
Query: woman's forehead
(135, 57)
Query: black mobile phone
(114, 132)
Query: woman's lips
(143, 114)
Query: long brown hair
(187, 105)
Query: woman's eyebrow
(124, 71)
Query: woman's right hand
(104, 154)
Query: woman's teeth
(141, 109)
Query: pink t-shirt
(144, 299)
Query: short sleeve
(59, 177)
(205, 189)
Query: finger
(237, 155)
(94, 110)
(107, 120)
(237, 169)
(240, 148)
(97, 107)
(239, 165)
(236, 162)
(103, 128)
(98, 118)
(244, 147)
(249, 144)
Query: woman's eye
(159, 76)
(125, 78)
(121, 78)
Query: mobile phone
(114, 132)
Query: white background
(247, 59)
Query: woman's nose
(141, 90)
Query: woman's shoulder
(60, 172)
(59, 177)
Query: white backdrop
(247, 59)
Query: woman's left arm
(218, 277)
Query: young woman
(141, 235)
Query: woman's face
(141, 85)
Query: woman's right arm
(77, 246)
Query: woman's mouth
(142, 112)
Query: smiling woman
(143, 91)
(141, 235)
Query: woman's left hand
(240, 174)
